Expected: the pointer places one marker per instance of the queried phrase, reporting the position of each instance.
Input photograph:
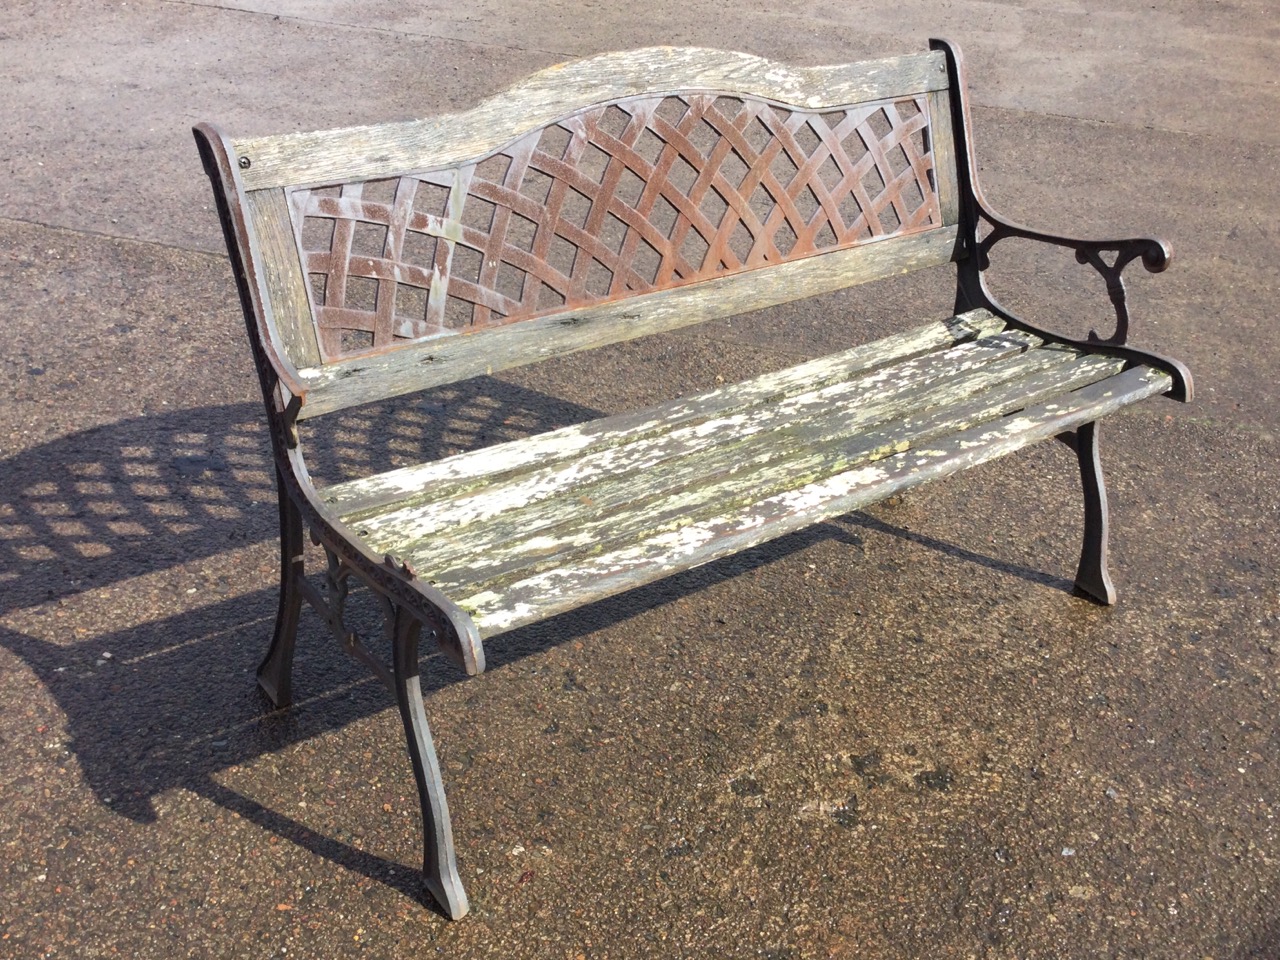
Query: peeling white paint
(595, 577)
(570, 440)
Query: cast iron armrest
(391, 577)
(1108, 257)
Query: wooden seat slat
(633, 508)
(879, 394)
(443, 478)
(487, 520)
(498, 517)
(562, 588)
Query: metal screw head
(244, 163)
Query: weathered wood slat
(289, 310)
(447, 359)
(880, 394)
(561, 589)
(596, 516)
(356, 499)
(943, 144)
(723, 477)
(610, 493)
(362, 153)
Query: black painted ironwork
(974, 247)
(439, 859)
(410, 603)
(972, 262)
(276, 670)
(1093, 578)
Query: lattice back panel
(640, 195)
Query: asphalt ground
(895, 735)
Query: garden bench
(622, 196)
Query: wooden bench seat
(623, 196)
(526, 529)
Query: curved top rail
(370, 152)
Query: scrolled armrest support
(1108, 257)
(981, 229)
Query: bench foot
(439, 867)
(275, 674)
(1092, 577)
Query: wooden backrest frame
(266, 172)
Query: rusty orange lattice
(640, 195)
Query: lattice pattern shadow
(639, 195)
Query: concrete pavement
(897, 735)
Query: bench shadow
(866, 522)
(171, 702)
(177, 702)
(151, 493)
